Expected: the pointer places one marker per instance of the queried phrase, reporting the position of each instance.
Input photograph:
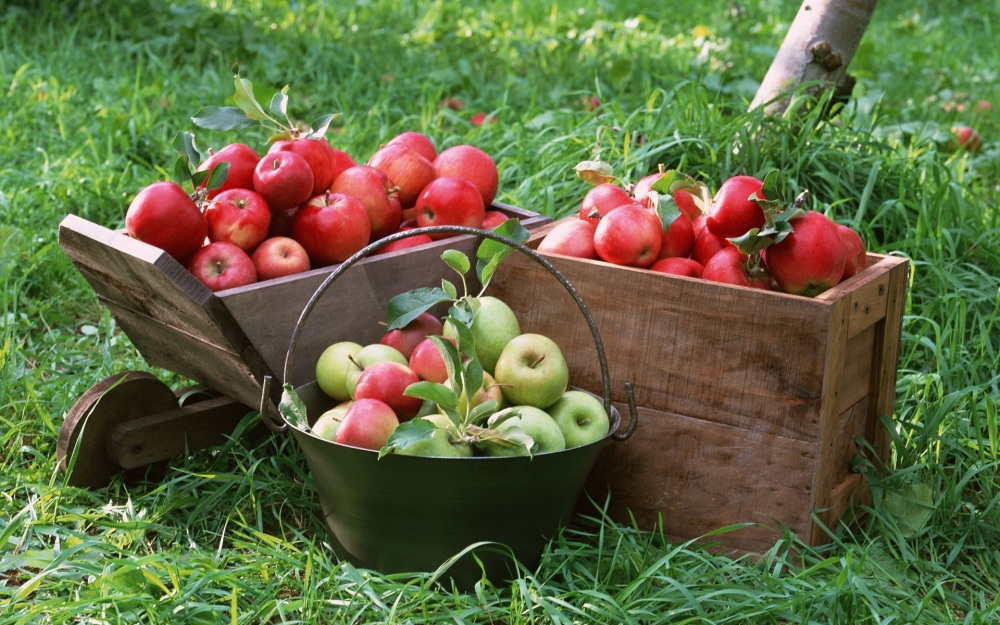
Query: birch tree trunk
(818, 47)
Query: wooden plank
(851, 423)
(851, 492)
(868, 291)
(698, 476)
(886, 360)
(857, 368)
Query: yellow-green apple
(373, 188)
(729, 266)
(532, 371)
(386, 381)
(407, 168)
(426, 361)
(603, 198)
(854, 251)
(678, 267)
(629, 235)
(316, 153)
(535, 423)
(733, 214)
(678, 238)
(581, 417)
(278, 257)
(493, 325)
(164, 215)
(332, 366)
(405, 339)
(368, 424)
(572, 237)
(472, 164)
(221, 266)
(283, 179)
(811, 259)
(329, 422)
(332, 227)
(418, 142)
(240, 217)
(707, 245)
(450, 201)
(492, 219)
(366, 357)
(242, 161)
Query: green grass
(93, 95)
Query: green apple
(581, 417)
(426, 408)
(439, 445)
(535, 423)
(328, 423)
(331, 369)
(493, 325)
(366, 357)
(531, 370)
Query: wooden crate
(229, 340)
(749, 400)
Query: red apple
(706, 246)
(284, 179)
(492, 219)
(240, 217)
(983, 106)
(629, 235)
(164, 215)
(340, 160)
(455, 104)
(221, 266)
(854, 251)
(685, 202)
(449, 201)
(406, 339)
(410, 223)
(332, 227)
(678, 239)
(368, 424)
(811, 259)
(698, 224)
(386, 381)
(404, 244)
(316, 152)
(281, 222)
(479, 119)
(242, 161)
(279, 256)
(733, 214)
(603, 198)
(472, 164)
(407, 168)
(419, 143)
(589, 104)
(640, 192)
(966, 138)
(729, 266)
(678, 267)
(427, 363)
(572, 237)
(375, 190)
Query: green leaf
(184, 145)
(408, 433)
(774, 186)
(664, 183)
(321, 124)
(465, 339)
(473, 372)
(199, 177)
(437, 393)
(279, 102)
(513, 437)
(483, 410)
(499, 417)
(752, 241)
(462, 312)
(182, 171)
(452, 362)
(406, 307)
(218, 176)
(594, 172)
(246, 100)
(456, 260)
(452, 414)
(911, 507)
(782, 224)
(293, 409)
(491, 252)
(449, 288)
(284, 135)
(666, 210)
(222, 118)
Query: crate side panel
(858, 368)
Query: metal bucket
(413, 514)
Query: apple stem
(594, 214)
(356, 363)
(535, 364)
(383, 324)
(801, 199)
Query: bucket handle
(268, 389)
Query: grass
(94, 95)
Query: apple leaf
(246, 100)
(512, 437)
(752, 242)
(774, 186)
(407, 306)
(911, 507)
(664, 182)
(222, 118)
(594, 172)
(465, 340)
(453, 415)
(218, 176)
(456, 260)
(182, 171)
(408, 433)
(483, 410)
(279, 102)
(185, 146)
(782, 224)
(293, 409)
(437, 393)
(491, 252)
(452, 362)
(499, 417)
(321, 124)
(449, 288)
(199, 177)
(462, 312)
(473, 372)
(666, 210)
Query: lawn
(94, 93)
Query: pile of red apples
(305, 204)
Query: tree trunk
(818, 47)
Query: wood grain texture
(886, 360)
(857, 368)
(868, 291)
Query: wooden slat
(886, 360)
(851, 423)
(850, 492)
(868, 292)
(699, 476)
(857, 368)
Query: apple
(493, 326)
(316, 153)
(698, 224)
(366, 357)
(278, 257)
(733, 214)
(629, 235)
(439, 445)
(678, 267)
(640, 192)
(811, 259)
(418, 142)
(284, 179)
(729, 266)
(573, 237)
(404, 244)
(492, 219)
(489, 390)
(426, 361)
(405, 167)
(706, 245)
(240, 217)
(406, 339)
(472, 164)
(479, 119)
(331, 227)
(685, 203)
(368, 424)
(678, 238)
(329, 422)
(164, 216)
(281, 222)
(854, 251)
(221, 266)
(966, 137)
(531, 370)
(449, 201)
(983, 106)
(376, 192)
(581, 417)
(589, 104)
(455, 104)
(242, 161)
(332, 366)
(603, 198)
(340, 161)
(386, 381)
(535, 423)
